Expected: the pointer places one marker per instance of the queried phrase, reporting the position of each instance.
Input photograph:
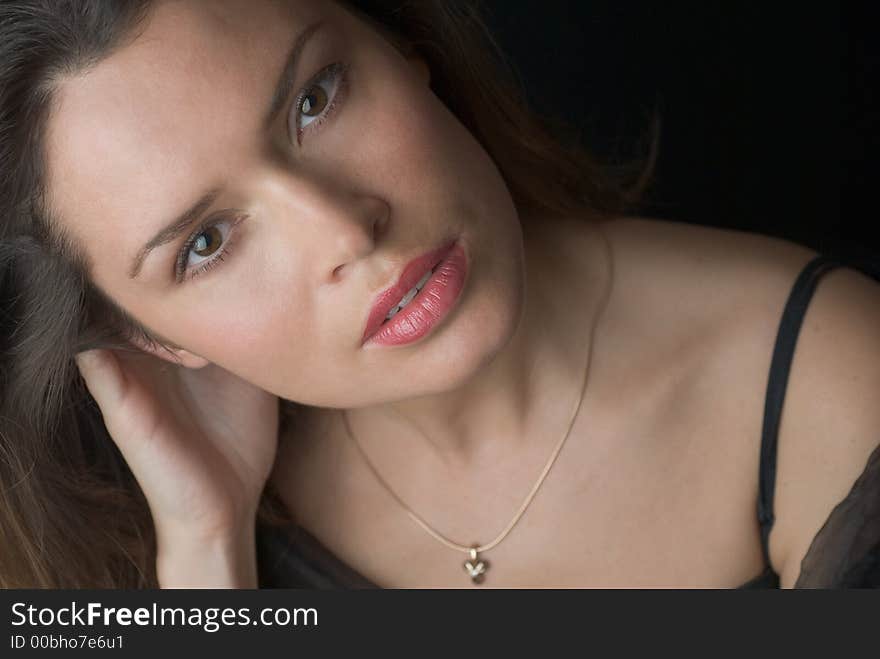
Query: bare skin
(656, 483)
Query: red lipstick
(424, 310)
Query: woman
(326, 279)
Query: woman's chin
(484, 326)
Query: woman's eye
(206, 248)
(207, 242)
(314, 103)
(318, 100)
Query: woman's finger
(127, 414)
(103, 377)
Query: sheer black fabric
(846, 551)
(291, 557)
(844, 554)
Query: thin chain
(482, 548)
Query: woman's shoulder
(706, 261)
(699, 301)
(734, 286)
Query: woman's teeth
(406, 299)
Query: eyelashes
(314, 102)
(195, 241)
(314, 99)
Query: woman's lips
(431, 303)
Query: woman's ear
(173, 354)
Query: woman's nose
(358, 234)
(334, 221)
(349, 227)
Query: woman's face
(313, 214)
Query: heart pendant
(476, 567)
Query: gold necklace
(476, 566)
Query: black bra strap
(780, 365)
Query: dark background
(769, 110)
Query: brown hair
(71, 513)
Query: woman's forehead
(193, 63)
(184, 62)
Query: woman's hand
(201, 443)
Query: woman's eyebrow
(182, 222)
(288, 73)
(174, 229)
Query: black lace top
(844, 554)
